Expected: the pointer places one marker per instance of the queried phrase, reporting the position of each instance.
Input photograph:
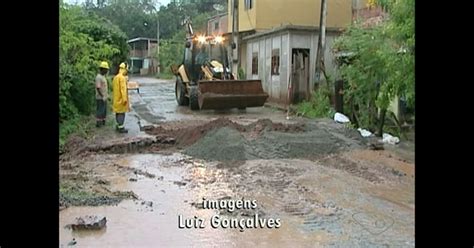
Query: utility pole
(235, 36)
(321, 42)
(158, 44)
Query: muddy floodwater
(318, 205)
(316, 178)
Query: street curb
(281, 107)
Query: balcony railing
(143, 53)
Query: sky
(163, 2)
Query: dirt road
(316, 176)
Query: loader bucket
(226, 94)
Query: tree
(128, 15)
(85, 40)
(382, 67)
(172, 49)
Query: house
(286, 54)
(267, 14)
(142, 56)
(368, 15)
(217, 25)
(279, 39)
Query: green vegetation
(318, 106)
(98, 31)
(72, 193)
(380, 67)
(172, 49)
(85, 40)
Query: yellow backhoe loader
(204, 80)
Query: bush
(318, 106)
(382, 65)
(80, 125)
(241, 73)
(85, 40)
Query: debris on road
(179, 183)
(89, 222)
(340, 118)
(364, 132)
(147, 203)
(389, 139)
(375, 144)
(72, 242)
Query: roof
(218, 15)
(141, 39)
(291, 27)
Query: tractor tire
(180, 93)
(193, 98)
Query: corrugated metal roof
(291, 28)
(218, 15)
(140, 39)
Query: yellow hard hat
(104, 65)
(123, 66)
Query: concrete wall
(267, 14)
(223, 23)
(247, 18)
(277, 85)
(272, 13)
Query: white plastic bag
(340, 118)
(387, 138)
(365, 133)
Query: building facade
(260, 15)
(142, 56)
(278, 43)
(218, 25)
(284, 58)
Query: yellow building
(278, 42)
(262, 15)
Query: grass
(71, 194)
(81, 126)
(317, 107)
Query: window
(248, 4)
(254, 63)
(276, 61)
(216, 25)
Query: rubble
(89, 222)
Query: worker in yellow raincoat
(120, 103)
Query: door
(299, 80)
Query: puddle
(133, 224)
(318, 206)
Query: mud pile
(220, 144)
(187, 136)
(266, 140)
(225, 140)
